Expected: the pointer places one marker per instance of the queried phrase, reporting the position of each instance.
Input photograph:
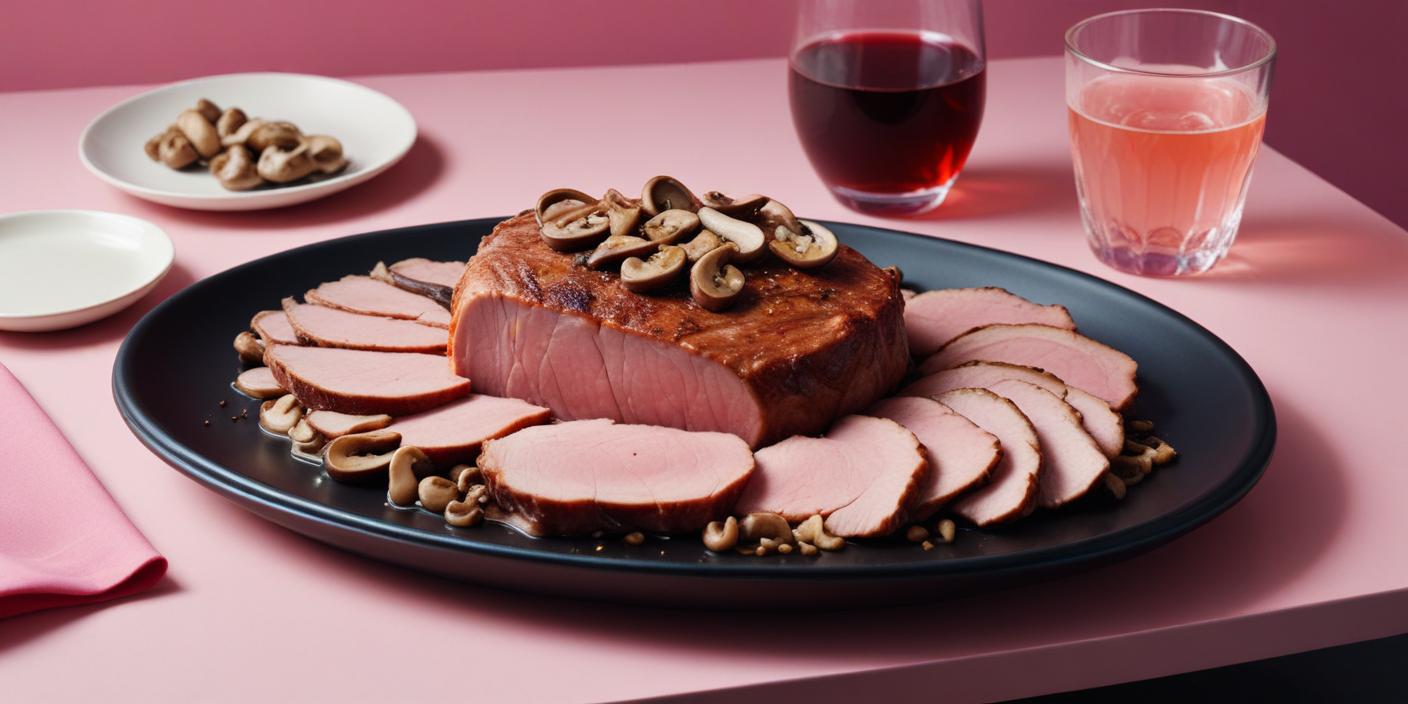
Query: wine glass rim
(1262, 61)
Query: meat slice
(331, 327)
(362, 382)
(331, 424)
(432, 279)
(960, 454)
(862, 476)
(583, 476)
(1078, 360)
(933, 318)
(363, 294)
(1103, 424)
(798, 350)
(274, 328)
(981, 375)
(1012, 489)
(1071, 463)
(453, 433)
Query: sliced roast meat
(331, 424)
(362, 382)
(453, 433)
(258, 382)
(363, 294)
(273, 327)
(796, 351)
(981, 375)
(432, 279)
(933, 318)
(1099, 420)
(332, 327)
(1078, 360)
(1102, 422)
(1012, 489)
(1071, 462)
(862, 476)
(960, 454)
(579, 477)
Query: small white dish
(63, 268)
(375, 132)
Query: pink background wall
(1330, 107)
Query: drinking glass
(887, 96)
(1166, 111)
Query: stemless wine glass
(1166, 111)
(887, 96)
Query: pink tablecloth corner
(63, 540)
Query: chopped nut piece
(916, 534)
(635, 538)
(947, 529)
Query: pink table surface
(1314, 296)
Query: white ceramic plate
(375, 131)
(63, 268)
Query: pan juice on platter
(1162, 168)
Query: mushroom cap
(284, 135)
(230, 122)
(814, 247)
(713, 282)
(559, 202)
(617, 248)
(242, 133)
(576, 229)
(281, 165)
(774, 213)
(234, 169)
(671, 226)
(741, 207)
(200, 131)
(642, 275)
(749, 238)
(664, 193)
(361, 456)
(175, 150)
(209, 110)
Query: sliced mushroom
(815, 246)
(746, 236)
(230, 122)
(242, 133)
(281, 165)
(281, 415)
(326, 152)
(713, 282)
(770, 526)
(249, 348)
(284, 135)
(174, 150)
(704, 243)
(671, 226)
(774, 213)
(560, 201)
(641, 276)
(621, 213)
(665, 193)
(200, 131)
(360, 456)
(302, 432)
(740, 207)
(234, 169)
(408, 465)
(208, 110)
(618, 248)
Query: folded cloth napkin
(63, 540)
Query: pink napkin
(63, 540)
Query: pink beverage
(1162, 167)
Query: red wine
(886, 112)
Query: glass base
(911, 203)
(1165, 251)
